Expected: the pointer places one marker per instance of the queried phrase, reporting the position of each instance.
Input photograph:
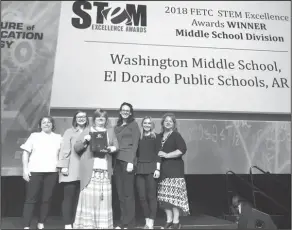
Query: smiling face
(46, 125)
(125, 112)
(147, 125)
(81, 119)
(168, 123)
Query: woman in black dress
(172, 191)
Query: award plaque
(98, 144)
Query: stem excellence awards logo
(101, 16)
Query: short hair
(51, 119)
(152, 133)
(130, 118)
(172, 116)
(74, 122)
(100, 113)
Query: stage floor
(193, 222)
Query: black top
(148, 149)
(173, 167)
(147, 154)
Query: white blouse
(44, 151)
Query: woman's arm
(174, 154)
(80, 147)
(157, 148)
(27, 148)
(180, 145)
(65, 152)
(26, 173)
(131, 155)
(113, 143)
(136, 136)
(25, 158)
(81, 144)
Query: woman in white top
(39, 159)
(94, 210)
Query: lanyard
(164, 140)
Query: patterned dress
(94, 210)
(172, 190)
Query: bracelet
(157, 169)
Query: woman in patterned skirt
(172, 191)
(94, 210)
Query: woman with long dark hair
(39, 160)
(128, 134)
(68, 163)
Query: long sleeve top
(173, 167)
(147, 154)
(128, 138)
(68, 158)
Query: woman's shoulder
(133, 123)
(71, 132)
(34, 135)
(69, 129)
(56, 135)
(176, 134)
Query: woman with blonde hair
(148, 170)
(94, 210)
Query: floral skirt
(172, 192)
(94, 210)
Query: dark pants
(125, 188)
(70, 201)
(146, 187)
(40, 183)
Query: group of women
(150, 162)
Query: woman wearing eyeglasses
(128, 135)
(94, 210)
(69, 168)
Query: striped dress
(94, 210)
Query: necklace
(164, 139)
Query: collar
(92, 129)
